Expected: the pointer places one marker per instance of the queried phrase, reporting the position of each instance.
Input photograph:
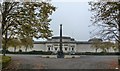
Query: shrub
(20, 50)
(47, 57)
(73, 56)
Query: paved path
(82, 62)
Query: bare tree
(107, 16)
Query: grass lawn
(4, 60)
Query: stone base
(60, 54)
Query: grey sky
(75, 18)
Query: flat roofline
(74, 42)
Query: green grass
(4, 60)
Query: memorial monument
(60, 53)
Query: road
(82, 62)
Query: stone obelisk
(61, 38)
(60, 53)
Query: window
(72, 49)
(66, 49)
(48, 48)
(56, 49)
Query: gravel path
(25, 62)
(83, 62)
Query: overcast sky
(75, 18)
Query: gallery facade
(68, 45)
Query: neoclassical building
(68, 45)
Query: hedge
(52, 53)
(99, 53)
(32, 52)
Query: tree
(107, 16)
(20, 19)
(96, 43)
(105, 46)
(15, 43)
(27, 43)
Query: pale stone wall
(89, 48)
(36, 47)
(40, 47)
(77, 48)
(84, 48)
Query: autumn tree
(29, 19)
(27, 43)
(15, 43)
